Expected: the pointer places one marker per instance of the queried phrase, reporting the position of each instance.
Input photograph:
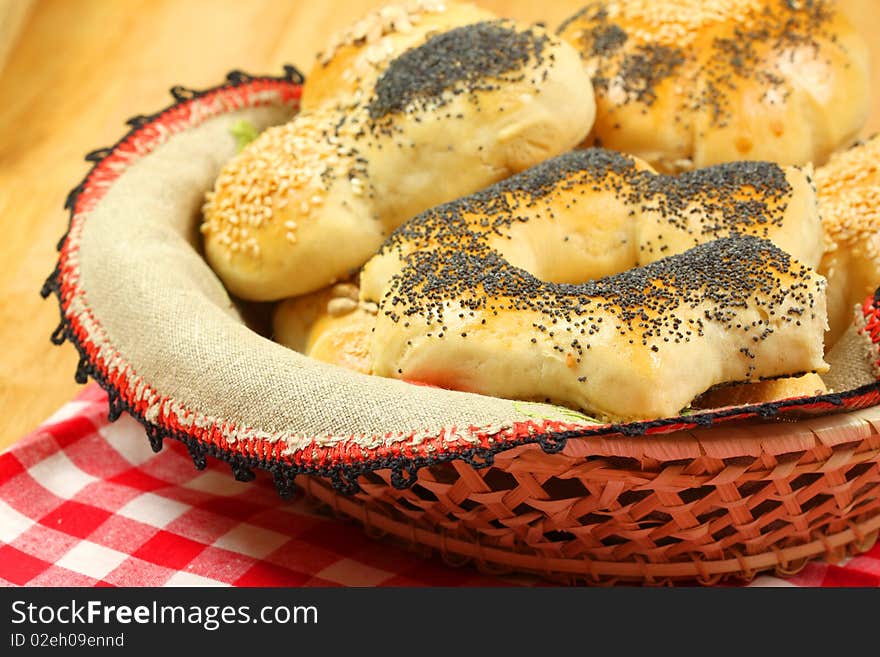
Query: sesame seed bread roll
(689, 83)
(328, 325)
(849, 201)
(289, 214)
(307, 203)
(354, 58)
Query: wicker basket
(703, 506)
(723, 494)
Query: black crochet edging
(344, 478)
(180, 94)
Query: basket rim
(343, 470)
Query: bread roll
(329, 325)
(689, 83)
(488, 293)
(849, 202)
(307, 203)
(636, 345)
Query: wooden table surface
(76, 69)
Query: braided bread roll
(690, 83)
(307, 203)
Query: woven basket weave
(722, 493)
(695, 506)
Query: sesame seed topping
(390, 19)
(285, 172)
(341, 306)
(848, 188)
(346, 290)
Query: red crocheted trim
(871, 313)
(139, 142)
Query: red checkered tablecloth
(84, 502)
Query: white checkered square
(12, 523)
(128, 438)
(183, 578)
(154, 510)
(91, 559)
(59, 475)
(69, 410)
(251, 540)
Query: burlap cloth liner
(148, 296)
(161, 306)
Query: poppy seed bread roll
(533, 289)
(685, 84)
(355, 57)
(636, 345)
(468, 108)
(594, 212)
(307, 203)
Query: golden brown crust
(356, 56)
(689, 83)
(760, 392)
(329, 325)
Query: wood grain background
(74, 70)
